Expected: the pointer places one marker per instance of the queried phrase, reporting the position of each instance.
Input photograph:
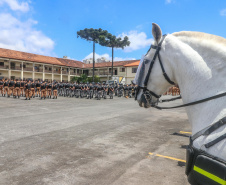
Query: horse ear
(156, 32)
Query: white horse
(197, 63)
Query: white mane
(184, 35)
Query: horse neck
(200, 73)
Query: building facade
(21, 65)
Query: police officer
(1, 86)
(28, 90)
(17, 89)
(38, 88)
(22, 84)
(11, 87)
(105, 90)
(49, 90)
(43, 90)
(55, 90)
(32, 89)
(6, 87)
(111, 91)
(116, 89)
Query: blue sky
(49, 27)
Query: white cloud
(137, 40)
(15, 5)
(108, 57)
(22, 36)
(123, 59)
(223, 12)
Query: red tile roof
(133, 64)
(108, 64)
(18, 55)
(71, 63)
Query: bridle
(146, 97)
(147, 94)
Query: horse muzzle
(146, 100)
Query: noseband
(147, 94)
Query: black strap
(208, 145)
(207, 131)
(168, 100)
(158, 48)
(164, 72)
(193, 103)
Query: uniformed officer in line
(55, 90)
(32, 89)
(49, 90)
(126, 89)
(105, 90)
(28, 89)
(6, 87)
(61, 86)
(111, 91)
(38, 88)
(1, 86)
(43, 90)
(17, 89)
(22, 84)
(116, 89)
(11, 87)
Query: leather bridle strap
(193, 103)
(160, 61)
(158, 48)
(164, 73)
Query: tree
(92, 35)
(84, 79)
(110, 40)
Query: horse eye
(146, 61)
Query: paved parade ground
(72, 141)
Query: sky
(49, 27)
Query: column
(43, 73)
(9, 70)
(61, 77)
(22, 71)
(52, 74)
(33, 73)
(69, 74)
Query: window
(122, 69)
(1, 63)
(134, 69)
(74, 70)
(46, 68)
(24, 66)
(50, 69)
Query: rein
(189, 104)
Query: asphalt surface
(72, 141)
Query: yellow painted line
(167, 157)
(182, 132)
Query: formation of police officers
(43, 89)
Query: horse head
(154, 75)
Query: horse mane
(201, 36)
